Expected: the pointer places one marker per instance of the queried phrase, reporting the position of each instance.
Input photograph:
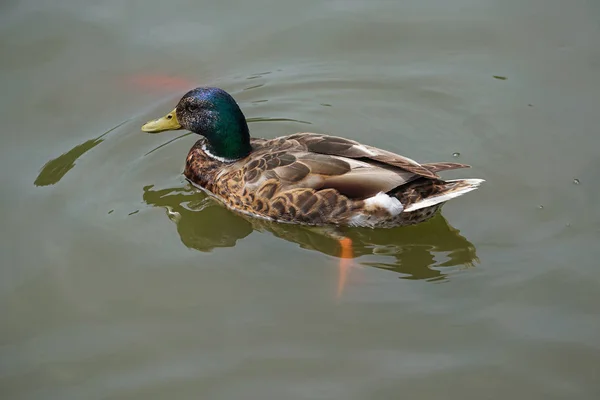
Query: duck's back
(316, 179)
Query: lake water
(118, 280)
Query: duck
(304, 178)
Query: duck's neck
(226, 156)
(230, 140)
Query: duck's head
(214, 114)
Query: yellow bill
(167, 123)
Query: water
(118, 280)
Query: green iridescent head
(214, 114)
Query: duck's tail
(444, 166)
(429, 193)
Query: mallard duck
(304, 178)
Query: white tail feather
(431, 201)
(389, 203)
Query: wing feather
(315, 161)
(338, 146)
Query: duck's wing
(280, 165)
(338, 146)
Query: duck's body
(305, 178)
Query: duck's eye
(192, 108)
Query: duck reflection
(422, 251)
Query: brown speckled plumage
(316, 179)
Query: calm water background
(119, 281)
